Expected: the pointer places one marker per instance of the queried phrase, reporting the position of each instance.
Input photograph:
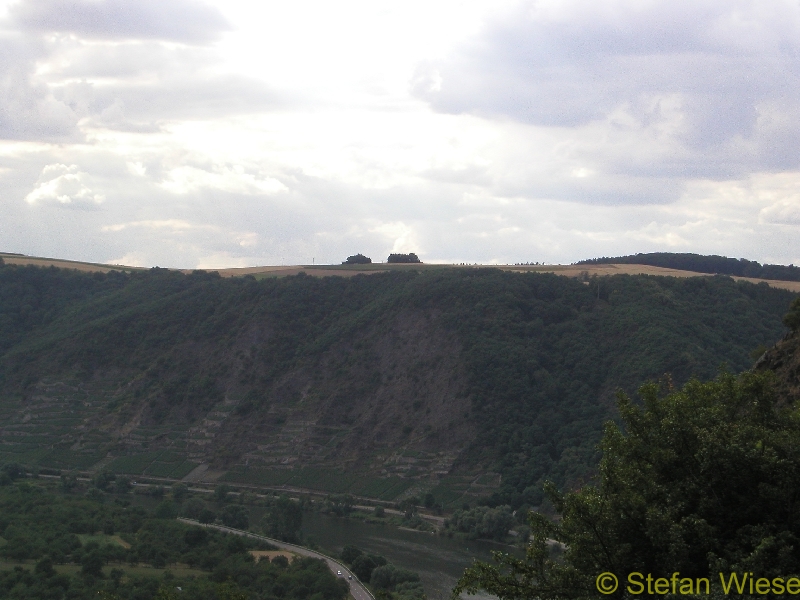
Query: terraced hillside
(465, 383)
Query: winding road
(357, 589)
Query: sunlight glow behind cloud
(191, 133)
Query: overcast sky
(185, 133)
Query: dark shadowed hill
(464, 382)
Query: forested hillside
(60, 540)
(698, 263)
(465, 383)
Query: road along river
(357, 589)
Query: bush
(192, 508)
(166, 510)
(221, 493)
(482, 522)
(122, 485)
(207, 516)
(180, 492)
(92, 564)
(283, 520)
(103, 480)
(195, 536)
(403, 258)
(362, 566)
(357, 259)
(349, 554)
(235, 516)
(281, 561)
(390, 578)
(13, 471)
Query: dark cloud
(186, 21)
(728, 69)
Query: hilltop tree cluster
(360, 259)
(357, 259)
(403, 258)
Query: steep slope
(784, 360)
(463, 381)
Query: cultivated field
(37, 261)
(350, 270)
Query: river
(440, 561)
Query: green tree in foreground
(699, 481)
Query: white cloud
(465, 130)
(136, 168)
(184, 180)
(711, 82)
(175, 225)
(223, 260)
(64, 185)
(248, 239)
(401, 236)
(783, 212)
(131, 259)
(28, 108)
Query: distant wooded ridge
(699, 263)
(461, 383)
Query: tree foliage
(541, 354)
(482, 522)
(357, 259)
(38, 525)
(283, 519)
(236, 516)
(403, 258)
(388, 581)
(704, 264)
(792, 318)
(700, 480)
